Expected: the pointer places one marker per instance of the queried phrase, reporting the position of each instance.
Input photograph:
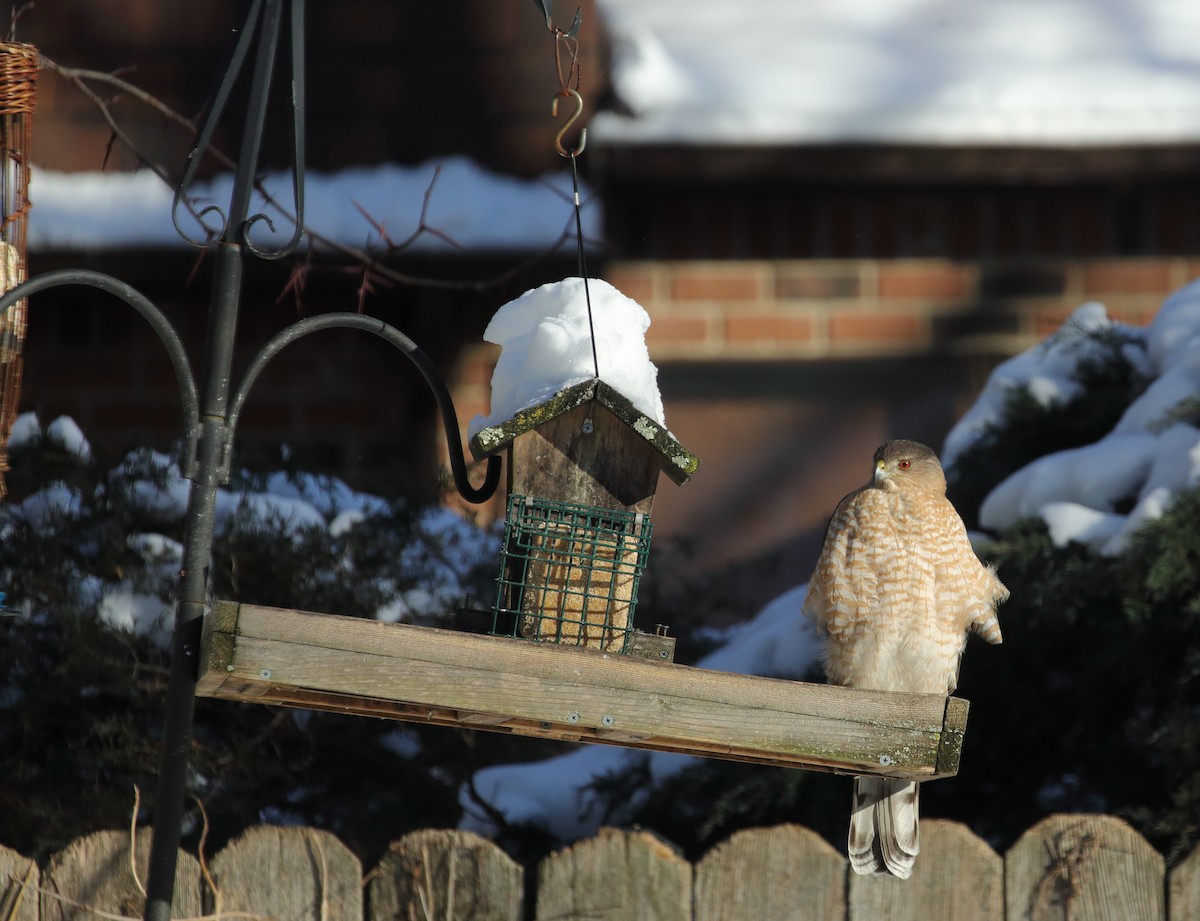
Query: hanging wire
(568, 37)
(568, 87)
(587, 296)
(572, 154)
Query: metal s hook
(574, 117)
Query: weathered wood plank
(608, 466)
(403, 672)
(445, 875)
(287, 874)
(1093, 867)
(1183, 889)
(93, 874)
(617, 876)
(957, 877)
(782, 873)
(19, 882)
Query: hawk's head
(905, 464)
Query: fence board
(1084, 867)
(781, 873)
(617, 876)
(957, 877)
(19, 881)
(288, 874)
(1183, 889)
(444, 875)
(94, 872)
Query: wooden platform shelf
(419, 674)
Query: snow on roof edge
(478, 210)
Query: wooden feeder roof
(677, 462)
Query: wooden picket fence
(1068, 867)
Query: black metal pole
(210, 455)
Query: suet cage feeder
(583, 468)
(569, 573)
(18, 77)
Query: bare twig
(15, 907)
(374, 273)
(113, 916)
(205, 870)
(133, 871)
(79, 78)
(323, 878)
(17, 13)
(1070, 860)
(451, 882)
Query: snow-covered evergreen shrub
(89, 560)
(1087, 375)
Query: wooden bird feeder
(582, 472)
(583, 467)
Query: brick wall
(830, 356)
(807, 310)
(863, 307)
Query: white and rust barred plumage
(896, 590)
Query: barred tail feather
(988, 628)
(884, 826)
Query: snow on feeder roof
(584, 453)
(547, 369)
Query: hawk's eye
(904, 464)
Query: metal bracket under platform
(396, 671)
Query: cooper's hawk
(895, 592)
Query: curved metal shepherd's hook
(412, 351)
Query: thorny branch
(369, 265)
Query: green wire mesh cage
(569, 573)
